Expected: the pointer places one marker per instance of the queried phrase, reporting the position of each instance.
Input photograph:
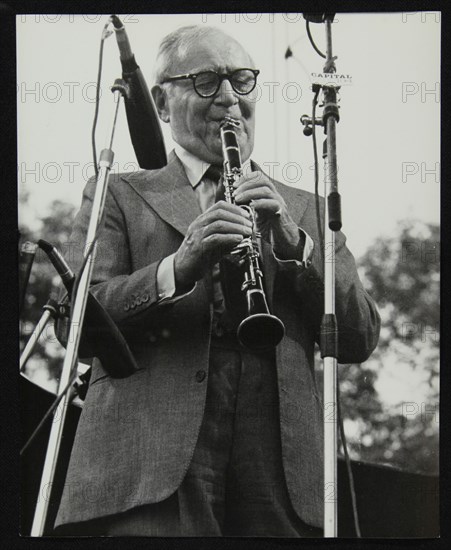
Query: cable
(348, 467)
(315, 155)
(51, 409)
(105, 35)
(312, 42)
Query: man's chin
(215, 149)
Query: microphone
(142, 118)
(59, 263)
(125, 51)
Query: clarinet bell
(260, 330)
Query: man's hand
(257, 190)
(211, 235)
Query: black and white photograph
(229, 274)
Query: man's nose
(226, 95)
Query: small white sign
(331, 79)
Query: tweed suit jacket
(136, 436)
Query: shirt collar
(195, 168)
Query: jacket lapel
(297, 209)
(168, 192)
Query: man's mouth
(220, 119)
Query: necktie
(220, 191)
(214, 173)
(226, 276)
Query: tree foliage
(55, 228)
(396, 421)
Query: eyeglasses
(207, 83)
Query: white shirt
(205, 190)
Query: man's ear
(161, 102)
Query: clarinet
(259, 330)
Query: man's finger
(238, 215)
(219, 244)
(226, 228)
(253, 194)
(268, 207)
(251, 181)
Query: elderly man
(207, 438)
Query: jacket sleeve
(358, 320)
(130, 297)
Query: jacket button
(200, 375)
(145, 298)
(165, 333)
(126, 306)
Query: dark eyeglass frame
(221, 78)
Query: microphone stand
(79, 305)
(329, 331)
(51, 309)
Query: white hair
(175, 46)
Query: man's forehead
(217, 52)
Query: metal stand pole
(79, 306)
(50, 310)
(329, 332)
(329, 335)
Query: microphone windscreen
(143, 123)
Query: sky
(387, 138)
